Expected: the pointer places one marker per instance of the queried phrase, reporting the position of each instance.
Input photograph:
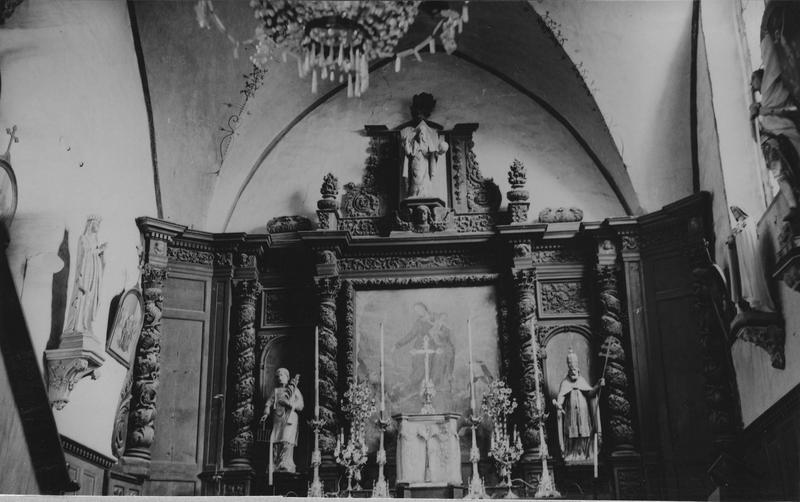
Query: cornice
(84, 452)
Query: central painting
(425, 331)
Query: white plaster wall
(511, 126)
(70, 82)
(635, 59)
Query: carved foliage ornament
(242, 353)
(328, 287)
(141, 430)
(190, 256)
(408, 262)
(563, 298)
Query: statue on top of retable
(422, 145)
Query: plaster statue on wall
(88, 278)
(578, 414)
(422, 145)
(281, 410)
(755, 290)
(779, 86)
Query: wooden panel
(171, 487)
(179, 391)
(88, 475)
(18, 475)
(678, 384)
(185, 294)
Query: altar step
(406, 491)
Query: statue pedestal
(428, 451)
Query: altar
(428, 451)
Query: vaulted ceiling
(613, 74)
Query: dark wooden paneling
(87, 475)
(178, 447)
(18, 475)
(179, 392)
(185, 294)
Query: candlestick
(383, 395)
(471, 374)
(316, 372)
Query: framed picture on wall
(8, 193)
(126, 328)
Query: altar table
(428, 450)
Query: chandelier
(337, 40)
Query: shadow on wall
(58, 303)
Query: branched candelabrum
(381, 488)
(352, 455)
(505, 450)
(358, 405)
(315, 488)
(476, 488)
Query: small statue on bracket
(281, 409)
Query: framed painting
(425, 332)
(127, 327)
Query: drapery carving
(617, 394)
(141, 429)
(532, 412)
(327, 288)
(242, 377)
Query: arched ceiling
(591, 64)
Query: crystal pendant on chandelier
(336, 40)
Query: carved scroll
(242, 377)
(617, 391)
(532, 412)
(328, 287)
(141, 429)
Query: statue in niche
(578, 414)
(422, 145)
(779, 87)
(88, 277)
(755, 291)
(280, 413)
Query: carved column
(525, 284)
(141, 427)
(328, 288)
(616, 394)
(241, 372)
(720, 385)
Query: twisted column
(531, 406)
(328, 287)
(616, 394)
(141, 429)
(241, 375)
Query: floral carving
(327, 288)
(517, 174)
(617, 395)
(284, 224)
(556, 255)
(525, 283)
(474, 222)
(563, 298)
(190, 256)
(560, 215)
(369, 199)
(141, 429)
(242, 376)
(408, 262)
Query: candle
(383, 396)
(316, 372)
(471, 375)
